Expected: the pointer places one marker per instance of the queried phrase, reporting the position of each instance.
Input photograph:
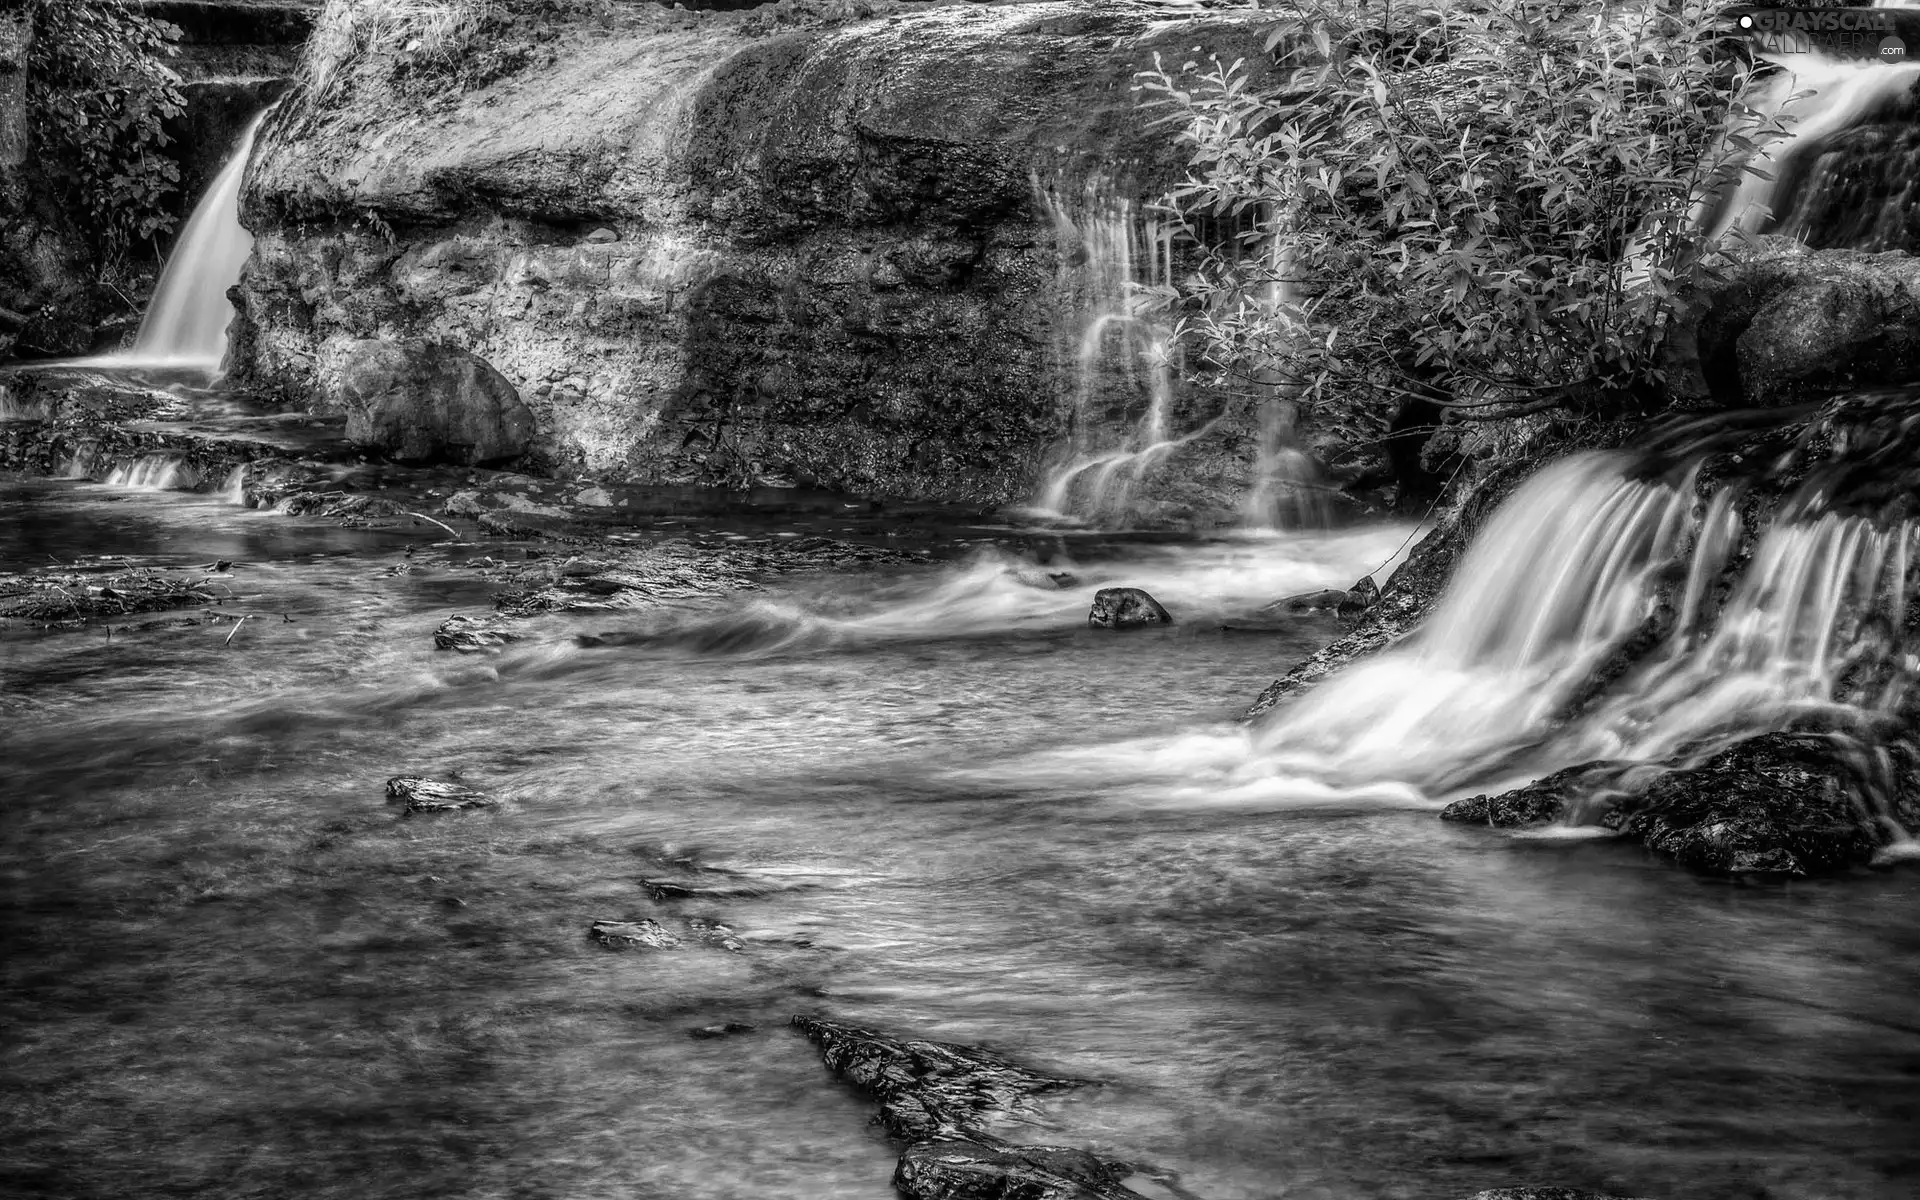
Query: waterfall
(1841, 176)
(1120, 332)
(1578, 563)
(186, 322)
(153, 473)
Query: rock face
(706, 251)
(1126, 608)
(421, 403)
(1794, 324)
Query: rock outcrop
(1776, 804)
(710, 249)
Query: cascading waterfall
(1578, 562)
(1124, 349)
(153, 473)
(1844, 174)
(186, 323)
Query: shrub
(1492, 207)
(100, 88)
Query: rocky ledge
(1778, 804)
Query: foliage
(1496, 207)
(100, 90)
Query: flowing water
(231, 970)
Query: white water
(152, 473)
(186, 323)
(1568, 569)
(1111, 259)
(1819, 97)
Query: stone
(645, 933)
(713, 933)
(601, 236)
(1777, 804)
(422, 795)
(1792, 324)
(1326, 600)
(468, 633)
(927, 1090)
(1126, 608)
(1542, 801)
(705, 1033)
(957, 1169)
(420, 402)
(1362, 596)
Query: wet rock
(1305, 602)
(422, 795)
(468, 633)
(1778, 804)
(1126, 608)
(713, 933)
(1359, 598)
(718, 886)
(422, 402)
(1792, 324)
(1541, 801)
(928, 1090)
(628, 935)
(709, 1032)
(955, 1169)
(87, 592)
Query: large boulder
(710, 248)
(421, 402)
(1793, 324)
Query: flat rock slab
(645, 933)
(422, 795)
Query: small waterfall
(153, 473)
(1578, 563)
(1842, 176)
(234, 489)
(186, 323)
(1118, 267)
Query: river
(935, 803)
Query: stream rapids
(231, 969)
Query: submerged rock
(422, 795)
(627, 935)
(423, 402)
(713, 933)
(705, 1033)
(1126, 608)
